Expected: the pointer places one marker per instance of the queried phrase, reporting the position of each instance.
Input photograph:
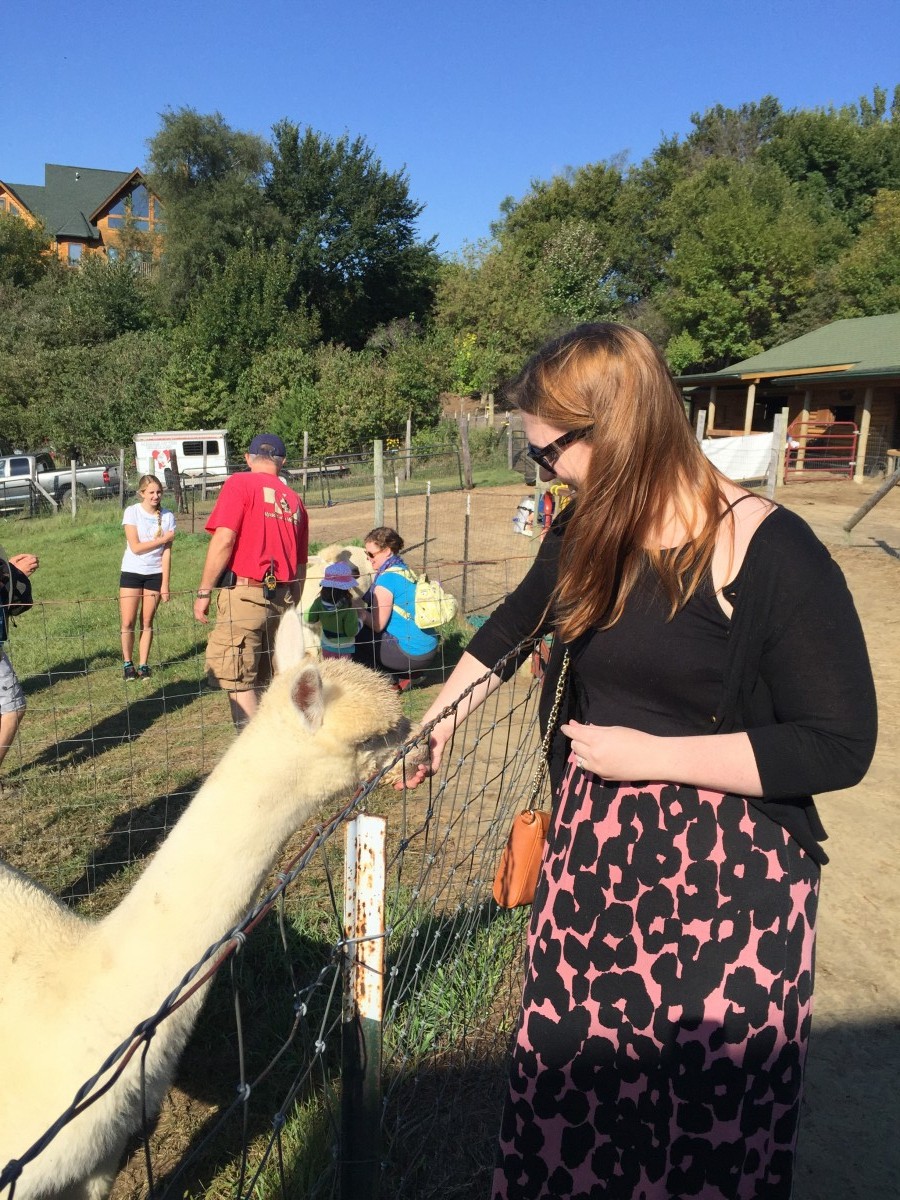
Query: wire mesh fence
(106, 772)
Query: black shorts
(141, 583)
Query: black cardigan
(797, 679)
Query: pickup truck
(18, 471)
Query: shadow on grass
(138, 715)
(100, 661)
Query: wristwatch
(203, 594)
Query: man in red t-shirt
(260, 533)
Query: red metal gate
(820, 450)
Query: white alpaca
(71, 990)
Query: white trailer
(201, 454)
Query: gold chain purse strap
(538, 782)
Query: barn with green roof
(846, 374)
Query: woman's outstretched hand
(424, 762)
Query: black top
(790, 668)
(654, 674)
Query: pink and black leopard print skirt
(667, 1001)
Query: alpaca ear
(292, 642)
(306, 693)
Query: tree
(736, 134)
(352, 226)
(209, 178)
(244, 308)
(575, 274)
(105, 300)
(842, 156)
(868, 275)
(345, 401)
(490, 307)
(23, 251)
(745, 258)
(586, 194)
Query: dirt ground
(849, 1145)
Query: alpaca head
(346, 719)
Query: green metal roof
(69, 197)
(866, 345)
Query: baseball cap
(339, 575)
(268, 443)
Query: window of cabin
(112, 253)
(142, 210)
(73, 252)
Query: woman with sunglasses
(390, 639)
(718, 678)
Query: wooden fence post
(361, 1026)
(779, 433)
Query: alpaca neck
(211, 866)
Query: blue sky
(474, 99)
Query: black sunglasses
(546, 456)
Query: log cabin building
(839, 384)
(86, 211)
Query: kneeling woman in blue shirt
(390, 639)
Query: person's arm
(523, 615)
(136, 546)
(818, 674)
(722, 762)
(164, 592)
(218, 556)
(378, 614)
(466, 673)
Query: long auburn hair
(644, 456)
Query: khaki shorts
(239, 650)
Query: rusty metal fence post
(361, 1027)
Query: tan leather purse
(517, 872)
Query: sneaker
(403, 684)
(143, 671)
(128, 671)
